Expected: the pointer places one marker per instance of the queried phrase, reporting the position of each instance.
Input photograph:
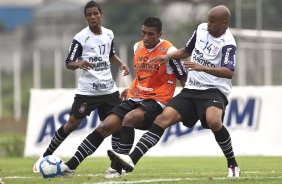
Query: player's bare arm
(182, 81)
(123, 94)
(82, 64)
(218, 72)
(116, 60)
(179, 54)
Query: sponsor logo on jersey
(162, 49)
(146, 67)
(109, 35)
(142, 58)
(95, 59)
(86, 39)
(143, 88)
(199, 58)
(142, 78)
(74, 51)
(215, 49)
(103, 86)
(192, 82)
(190, 39)
(98, 64)
(177, 67)
(226, 57)
(170, 82)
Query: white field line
(29, 177)
(5, 178)
(169, 180)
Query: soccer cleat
(67, 172)
(125, 160)
(233, 171)
(112, 173)
(110, 170)
(35, 168)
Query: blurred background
(35, 36)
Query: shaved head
(218, 20)
(221, 12)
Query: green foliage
(7, 94)
(196, 170)
(125, 18)
(12, 145)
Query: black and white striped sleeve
(75, 51)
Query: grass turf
(202, 170)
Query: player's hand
(123, 94)
(124, 68)
(193, 66)
(161, 58)
(84, 65)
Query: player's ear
(160, 34)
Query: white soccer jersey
(97, 50)
(213, 52)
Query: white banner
(252, 118)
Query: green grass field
(202, 170)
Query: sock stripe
(58, 136)
(227, 140)
(86, 148)
(146, 147)
(150, 141)
(51, 146)
(78, 151)
(77, 159)
(115, 138)
(230, 157)
(82, 149)
(140, 150)
(56, 142)
(89, 143)
(153, 136)
(227, 147)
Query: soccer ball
(50, 166)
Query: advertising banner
(252, 118)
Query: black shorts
(192, 104)
(83, 105)
(152, 108)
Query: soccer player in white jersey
(91, 50)
(212, 49)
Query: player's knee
(162, 120)
(130, 120)
(214, 125)
(105, 129)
